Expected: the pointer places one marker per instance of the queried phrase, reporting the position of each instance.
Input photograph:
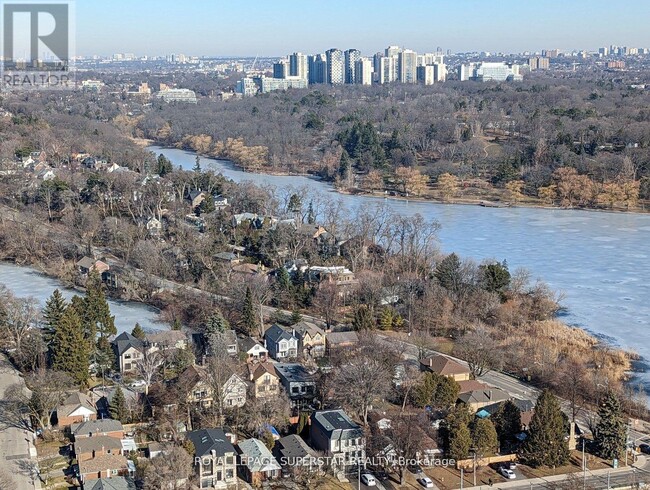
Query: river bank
(472, 196)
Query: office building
(352, 56)
(335, 69)
(272, 84)
(298, 66)
(489, 71)
(407, 66)
(177, 95)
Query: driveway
(15, 441)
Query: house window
(230, 402)
(230, 460)
(229, 474)
(295, 389)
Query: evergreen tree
(611, 431)
(460, 441)
(496, 277)
(249, 318)
(70, 349)
(303, 421)
(448, 273)
(164, 165)
(363, 319)
(137, 332)
(103, 357)
(283, 279)
(507, 420)
(311, 217)
(197, 164)
(296, 317)
(435, 390)
(97, 312)
(295, 204)
(546, 444)
(484, 437)
(344, 167)
(177, 324)
(117, 406)
(386, 319)
(52, 313)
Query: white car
(507, 473)
(368, 480)
(426, 482)
(139, 383)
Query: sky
(279, 27)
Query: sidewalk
(640, 464)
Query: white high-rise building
(364, 70)
(387, 69)
(335, 68)
(407, 66)
(351, 58)
(439, 72)
(392, 51)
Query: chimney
(431, 362)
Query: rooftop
(256, 456)
(207, 440)
(96, 427)
(97, 443)
(443, 365)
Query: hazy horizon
(276, 28)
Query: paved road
(639, 432)
(14, 441)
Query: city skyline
(271, 29)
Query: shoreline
(353, 192)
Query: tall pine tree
(98, 313)
(546, 444)
(484, 437)
(117, 406)
(52, 313)
(611, 431)
(249, 318)
(137, 332)
(70, 351)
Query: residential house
(103, 466)
(252, 350)
(526, 407)
(154, 226)
(166, 340)
(195, 382)
(100, 427)
(229, 258)
(281, 344)
(87, 448)
(256, 462)
(477, 399)
(264, 380)
(115, 483)
(298, 383)
(293, 454)
(335, 434)
(228, 339)
(311, 339)
(87, 264)
(444, 366)
(471, 385)
(339, 275)
(337, 341)
(196, 197)
(214, 458)
(250, 270)
(77, 407)
(220, 202)
(128, 351)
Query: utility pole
(462, 476)
(474, 468)
(608, 475)
(584, 466)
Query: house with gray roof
(86, 448)
(256, 462)
(128, 350)
(281, 343)
(114, 483)
(253, 350)
(335, 434)
(477, 399)
(214, 458)
(292, 452)
(101, 427)
(298, 383)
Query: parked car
(644, 448)
(138, 383)
(415, 469)
(511, 465)
(368, 480)
(381, 475)
(426, 482)
(507, 473)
